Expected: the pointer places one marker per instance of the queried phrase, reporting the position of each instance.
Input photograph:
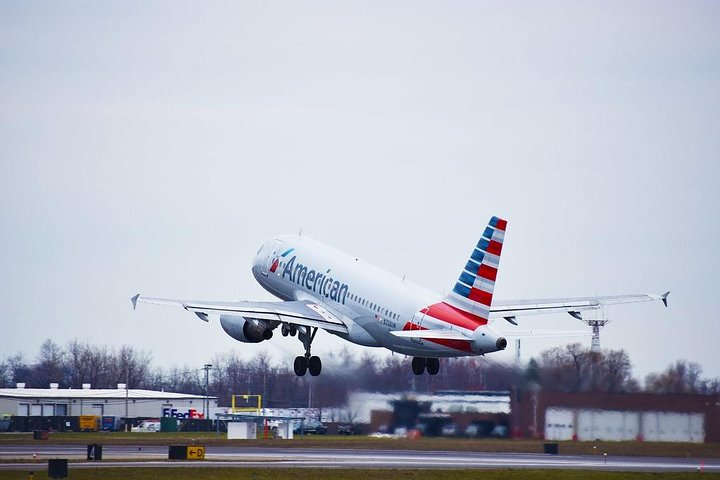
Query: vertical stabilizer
(474, 289)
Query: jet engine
(247, 330)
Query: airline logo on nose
(276, 262)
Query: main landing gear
(420, 364)
(307, 362)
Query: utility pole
(207, 368)
(127, 377)
(310, 392)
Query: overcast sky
(153, 146)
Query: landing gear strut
(420, 364)
(307, 362)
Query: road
(156, 456)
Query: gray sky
(153, 147)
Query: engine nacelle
(244, 330)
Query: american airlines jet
(323, 288)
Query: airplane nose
(501, 343)
(257, 260)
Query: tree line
(571, 368)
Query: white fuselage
(369, 301)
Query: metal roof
(95, 393)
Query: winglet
(134, 300)
(664, 297)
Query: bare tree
(558, 370)
(50, 365)
(679, 377)
(5, 375)
(575, 368)
(19, 370)
(615, 372)
(129, 366)
(88, 364)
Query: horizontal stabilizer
(432, 334)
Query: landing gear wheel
(433, 366)
(301, 366)
(284, 330)
(314, 366)
(307, 362)
(418, 365)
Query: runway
(156, 456)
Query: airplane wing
(573, 306)
(305, 313)
(432, 334)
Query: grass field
(350, 474)
(209, 439)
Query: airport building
(449, 412)
(117, 402)
(548, 415)
(616, 416)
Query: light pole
(127, 393)
(207, 368)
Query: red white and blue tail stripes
(474, 289)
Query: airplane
(323, 288)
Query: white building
(118, 402)
(361, 404)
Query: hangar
(117, 402)
(615, 416)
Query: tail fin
(474, 289)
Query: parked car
(450, 430)
(311, 427)
(349, 430)
(479, 429)
(147, 426)
(472, 431)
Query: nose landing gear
(308, 362)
